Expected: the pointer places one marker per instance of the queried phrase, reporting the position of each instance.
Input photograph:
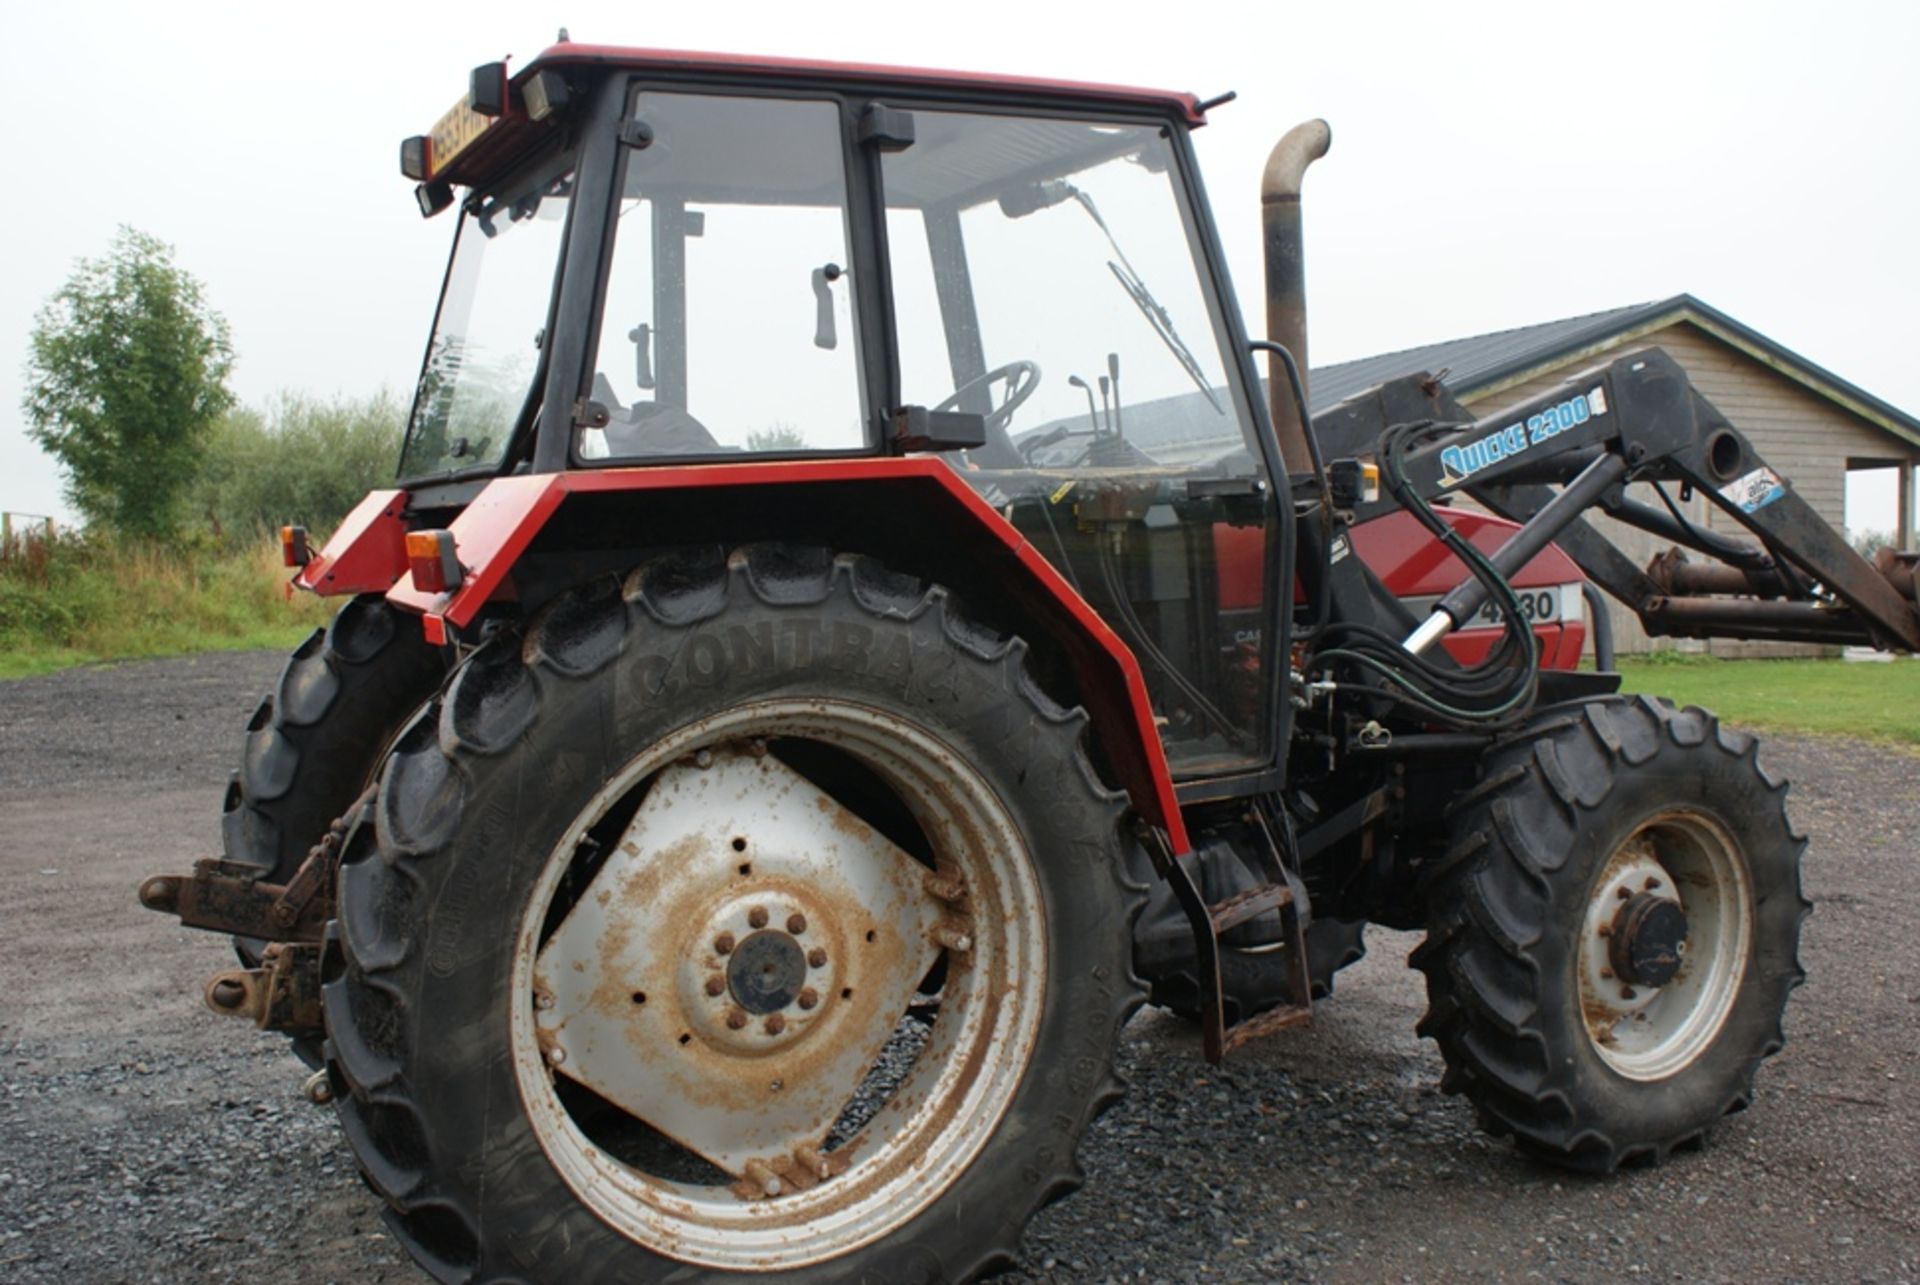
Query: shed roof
(1483, 364)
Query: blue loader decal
(1458, 463)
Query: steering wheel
(1022, 378)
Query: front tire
(1612, 934)
(758, 915)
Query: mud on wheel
(757, 914)
(1612, 935)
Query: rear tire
(1587, 826)
(314, 741)
(481, 939)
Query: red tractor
(851, 627)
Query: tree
(127, 374)
(302, 460)
(1870, 542)
(779, 436)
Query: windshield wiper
(1149, 307)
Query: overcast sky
(1493, 166)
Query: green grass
(75, 601)
(1877, 702)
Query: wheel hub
(766, 972)
(763, 966)
(1663, 944)
(1649, 933)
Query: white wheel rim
(1650, 1032)
(937, 1117)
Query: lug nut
(556, 1054)
(1623, 893)
(817, 957)
(736, 1020)
(1607, 973)
(716, 985)
(775, 1023)
(764, 1178)
(723, 944)
(796, 923)
(952, 938)
(1627, 992)
(757, 917)
(808, 998)
(543, 1001)
(1606, 930)
(703, 759)
(1652, 883)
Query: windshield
(1048, 277)
(1067, 244)
(487, 337)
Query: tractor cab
(661, 263)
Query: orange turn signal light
(294, 550)
(431, 558)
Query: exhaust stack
(1287, 164)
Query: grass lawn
(1879, 702)
(28, 661)
(72, 602)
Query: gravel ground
(141, 1138)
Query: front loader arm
(1550, 460)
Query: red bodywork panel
(491, 533)
(1413, 564)
(367, 554)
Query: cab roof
(864, 75)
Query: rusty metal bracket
(231, 897)
(283, 994)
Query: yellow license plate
(455, 132)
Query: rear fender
(915, 514)
(367, 553)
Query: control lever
(1113, 370)
(824, 334)
(642, 337)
